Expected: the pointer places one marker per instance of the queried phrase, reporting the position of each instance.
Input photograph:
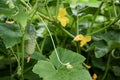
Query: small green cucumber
(30, 44)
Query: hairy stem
(42, 45)
(22, 70)
(102, 29)
(91, 26)
(107, 67)
(52, 42)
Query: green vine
(107, 67)
(97, 12)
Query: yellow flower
(94, 77)
(83, 39)
(62, 18)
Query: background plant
(70, 37)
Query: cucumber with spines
(30, 44)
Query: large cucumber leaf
(54, 70)
(10, 33)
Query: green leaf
(6, 78)
(66, 56)
(21, 17)
(31, 76)
(53, 70)
(38, 56)
(113, 45)
(18, 13)
(116, 70)
(103, 43)
(5, 10)
(112, 38)
(44, 69)
(10, 33)
(101, 49)
(98, 63)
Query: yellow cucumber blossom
(94, 77)
(83, 39)
(62, 17)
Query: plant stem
(114, 8)
(77, 31)
(82, 10)
(91, 26)
(68, 33)
(57, 40)
(9, 57)
(14, 54)
(107, 67)
(57, 7)
(42, 45)
(45, 17)
(88, 58)
(30, 67)
(22, 70)
(38, 46)
(78, 47)
(105, 26)
(18, 57)
(52, 42)
(47, 9)
(24, 3)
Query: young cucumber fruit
(30, 44)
